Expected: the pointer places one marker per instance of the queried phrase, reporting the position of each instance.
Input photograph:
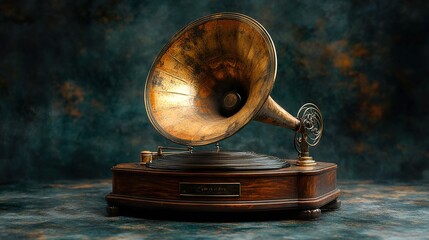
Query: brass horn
(212, 78)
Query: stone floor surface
(76, 210)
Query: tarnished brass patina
(212, 78)
(145, 157)
(309, 132)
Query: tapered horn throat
(211, 79)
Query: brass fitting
(145, 157)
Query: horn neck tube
(272, 113)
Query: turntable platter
(213, 161)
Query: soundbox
(211, 79)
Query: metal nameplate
(209, 189)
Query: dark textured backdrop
(72, 75)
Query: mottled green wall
(72, 75)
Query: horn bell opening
(210, 79)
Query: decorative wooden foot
(112, 211)
(309, 214)
(332, 205)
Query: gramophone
(212, 78)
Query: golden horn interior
(194, 87)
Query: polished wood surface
(295, 187)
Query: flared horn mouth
(211, 79)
